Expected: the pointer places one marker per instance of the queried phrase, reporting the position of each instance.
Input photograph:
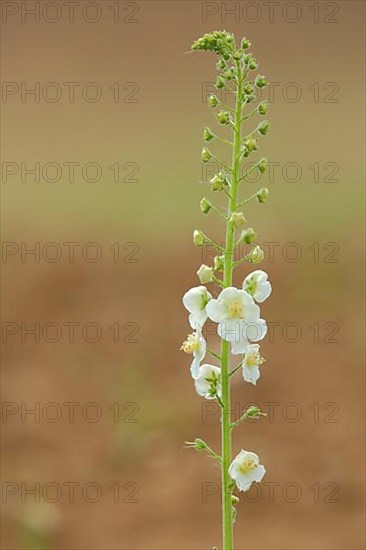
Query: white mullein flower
(238, 318)
(195, 344)
(195, 301)
(208, 382)
(245, 469)
(257, 285)
(251, 363)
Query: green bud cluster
(219, 182)
(219, 42)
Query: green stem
(227, 523)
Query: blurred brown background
(112, 395)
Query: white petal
(216, 310)
(256, 330)
(192, 300)
(251, 374)
(251, 311)
(229, 294)
(263, 291)
(198, 318)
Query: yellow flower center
(248, 465)
(254, 359)
(191, 344)
(236, 309)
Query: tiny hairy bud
(253, 412)
(248, 236)
(198, 238)
(263, 127)
(252, 64)
(218, 182)
(263, 165)
(213, 101)
(260, 81)
(238, 219)
(221, 64)
(223, 117)
(219, 83)
(207, 135)
(256, 255)
(245, 44)
(219, 263)
(263, 194)
(237, 55)
(205, 274)
(263, 107)
(205, 205)
(206, 155)
(248, 88)
(251, 145)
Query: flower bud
(262, 165)
(256, 255)
(218, 182)
(251, 144)
(237, 55)
(252, 64)
(206, 155)
(260, 81)
(205, 274)
(219, 263)
(248, 236)
(263, 194)
(253, 412)
(221, 64)
(213, 101)
(249, 98)
(247, 58)
(234, 499)
(248, 88)
(245, 44)
(263, 127)
(207, 134)
(205, 205)
(197, 444)
(198, 238)
(220, 83)
(238, 219)
(263, 107)
(223, 117)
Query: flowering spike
(236, 311)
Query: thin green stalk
(227, 523)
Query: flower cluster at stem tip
(236, 311)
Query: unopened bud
(263, 127)
(253, 412)
(219, 263)
(252, 64)
(256, 255)
(205, 274)
(198, 238)
(223, 117)
(206, 155)
(262, 165)
(248, 236)
(218, 182)
(213, 101)
(237, 55)
(263, 194)
(260, 81)
(207, 134)
(263, 107)
(251, 145)
(220, 83)
(205, 205)
(238, 219)
(248, 88)
(221, 64)
(197, 444)
(245, 44)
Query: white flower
(238, 318)
(251, 364)
(195, 301)
(257, 285)
(195, 344)
(208, 382)
(245, 469)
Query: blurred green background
(154, 132)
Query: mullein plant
(235, 310)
